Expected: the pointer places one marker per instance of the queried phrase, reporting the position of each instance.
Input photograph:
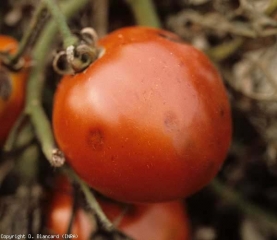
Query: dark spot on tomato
(95, 139)
(171, 121)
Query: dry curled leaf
(256, 78)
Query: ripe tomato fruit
(12, 90)
(148, 121)
(160, 221)
(60, 210)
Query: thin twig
(9, 144)
(106, 224)
(60, 20)
(35, 85)
(32, 29)
(224, 50)
(99, 17)
(271, 8)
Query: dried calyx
(77, 58)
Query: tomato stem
(36, 81)
(271, 7)
(224, 50)
(34, 107)
(106, 224)
(60, 20)
(26, 161)
(9, 144)
(35, 85)
(100, 16)
(42, 128)
(145, 13)
(27, 165)
(33, 28)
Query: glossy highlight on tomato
(148, 121)
(13, 87)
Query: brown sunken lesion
(171, 121)
(95, 139)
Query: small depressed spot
(95, 139)
(170, 121)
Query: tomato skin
(149, 121)
(11, 107)
(161, 221)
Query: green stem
(27, 164)
(35, 84)
(224, 50)
(9, 144)
(271, 8)
(28, 34)
(99, 18)
(43, 129)
(26, 157)
(145, 13)
(268, 220)
(60, 20)
(91, 200)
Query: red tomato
(60, 210)
(12, 104)
(161, 221)
(148, 121)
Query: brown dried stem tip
(58, 158)
(77, 58)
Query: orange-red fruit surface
(148, 121)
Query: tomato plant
(162, 221)
(148, 121)
(12, 89)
